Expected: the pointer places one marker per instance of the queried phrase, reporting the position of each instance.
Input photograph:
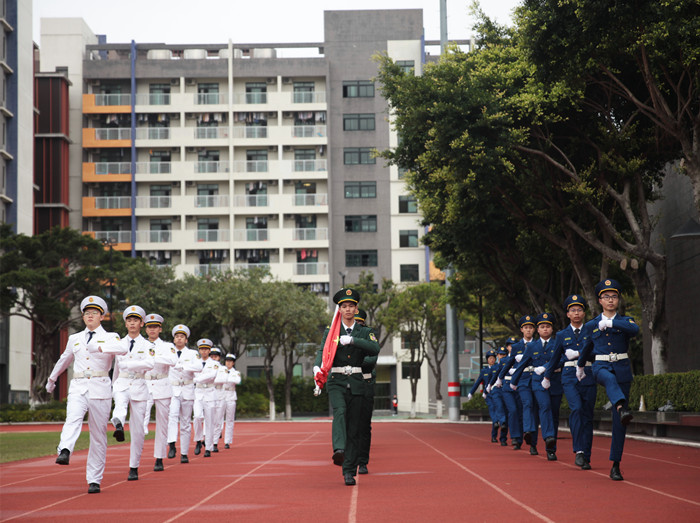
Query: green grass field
(15, 446)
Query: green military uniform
(346, 387)
(369, 373)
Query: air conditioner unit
(288, 115)
(288, 148)
(191, 81)
(191, 218)
(191, 149)
(189, 183)
(288, 182)
(272, 114)
(175, 218)
(272, 80)
(191, 116)
(94, 82)
(175, 116)
(174, 81)
(287, 80)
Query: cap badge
(348, 292)
(608, 282)
(574, 297)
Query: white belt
(219, 386)
(508, 378)
(573, 364)
(204, 385)
(180, 383)
(612, 357)
(529, 369)
(367, 376)
(134, 375)
(347, 370)
(156, 377)
(90, 374)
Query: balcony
(107, 206)
(153, 133)
(153, 167)
(310, 269)
(250, 235)
(257, 131)
(210, 98)
(217, 200)
(107, 137)
(106, 103)
(210, 133)
(153, 202)
(309, 131)
(309, 97)
(310, 200)
(153, 99)
(212, 235)
(112, 237)
(309, 165)
(154, 236)
(309, 234)
(210, 268)
(251, 166)
(250, 98)
(251, 200)
(106, 172)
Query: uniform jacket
(188, 365)
(130, 364)
(567, 339)
(85, 362)
(613, 340)
(157, 379)
(483, 379)
(364, 344)
(228, 378)
(206, 378)
(535, 355)
(509, 361)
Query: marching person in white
(215, 354)
(205, 399)
(181, 403)
(159, 387)
(91, 351)
(229, 377)
(130, 387)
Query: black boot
(118, 431)
(198, 448)
(159, 465)
(615, 474)
(133, 474)
(64, 457)
(172, 451)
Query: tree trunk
(288, 396)
(44, 361)
(438, 414)
(652, 297)
(270, 392)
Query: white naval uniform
(130, 390)
(219, 408)
(160, 391)
(205, 402)
(229, 379)
(90, 391)
(181, 379)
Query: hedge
(682, 389)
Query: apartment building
(227, 155)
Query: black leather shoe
(339, 457)
(227, 446)
(494, 440)
(184, 458)
(216, 448)
(586, 465)
(64, 457)
(207, 454)
(615, 474)
(551, 455)
(198, 448)
(362, 469)
(504, 443)
(159, 465)
(580, 460)
(172, 451)
(133, 474)
(550, 443)
(517, 445)
(94, 488)
(528, 438)
(118, 432)
(533, 451)
(349, 479)
(625, 416)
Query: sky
(249, 21)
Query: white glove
(488, 389)
(92, 347)
(483, 395)
(317, 369)
(545, 383)
(580, 373)
(605, 323)
(345, 340)
(511, 371)
(539, 371)
(571, 354)
(469, 397)
(513, 387)
(50, 385)
(518, 358)
(498, 383)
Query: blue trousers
(616, 392)
(530, 421)
(581, 399)
(544, 408)
(515, 416)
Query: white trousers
(230, 409)
(121, 403)
(138, 408)
(204, 415)
(160, 449)
(147, 417)
(219, 419)
(180, 421)
(76, 407)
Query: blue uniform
(497, 398)
(536, 355)
(511, 398)
(579, 394)
(524, 392)
(611, 368)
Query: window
(255, 93)
(408, 238)
(208, 93)
(358, 122)
(409, 370)
(361, 223)
(303, 92)
(361, 258)
(358, 89)
(360, 189)
(358, 156)
(409, 273)
(255, 371)
(408, 204)
(407, 66)
(402, 173)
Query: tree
(43, 278)
(374, 299)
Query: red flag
(329, 349)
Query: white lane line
(492, 487)
(352, 511)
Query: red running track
(419, 471)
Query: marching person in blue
(608, 343)
(579, 394)
(511, 398)
(535, 357)
(530, 422)
(483, 380)
(496, 394)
